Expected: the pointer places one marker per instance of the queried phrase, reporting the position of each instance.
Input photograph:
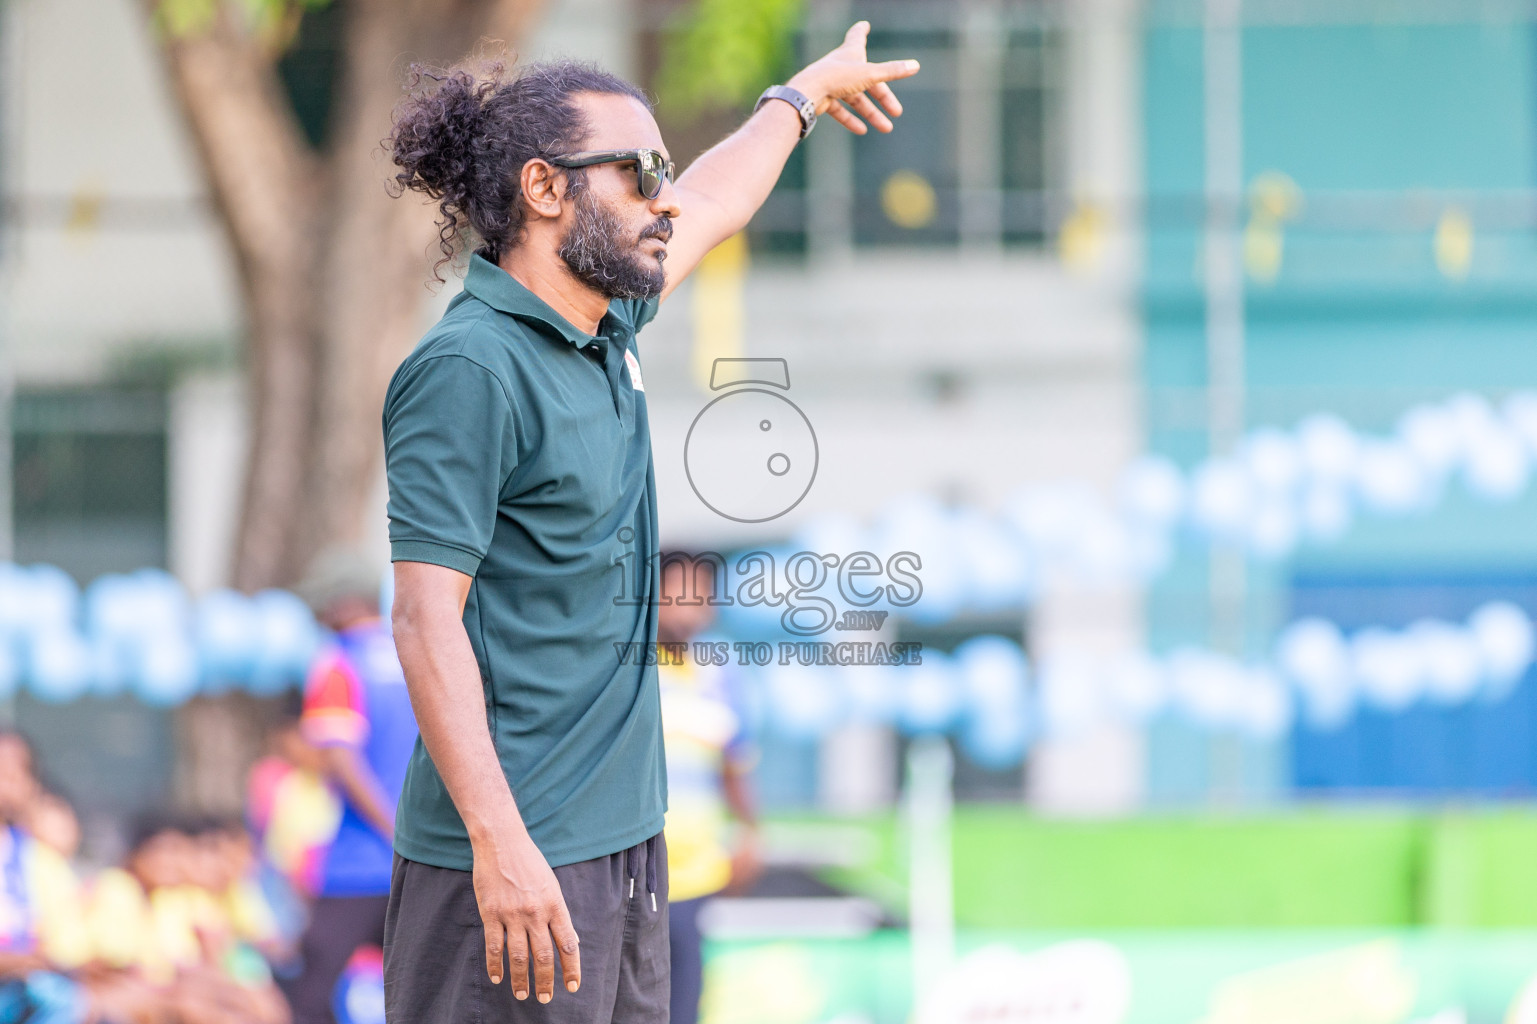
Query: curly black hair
(464, 134)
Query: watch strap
(803, 106)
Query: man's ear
(543, 186)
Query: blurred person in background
(19, 787)
(518, 458)
(229, 923)
(292, 814)
(237, 921)
(357, 715)
(42, 933)
(139, 918)
(252, 916)
(52, 821)
(50, 969)
(291, 808)
(709, 763)
(161, 917)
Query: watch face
(751, 455)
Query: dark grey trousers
(435, 947)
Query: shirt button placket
(611, 358)
(624, 388)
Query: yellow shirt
(118, 918)
(46, 912)
(156, 932)
(702, 731)
(305, 814)
(249, 913)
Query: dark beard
(597, 252)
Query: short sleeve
(449, 446)
(334, 714)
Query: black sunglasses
(651, 168)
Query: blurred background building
(1110, 241)
(1009, 289)
(936, 339)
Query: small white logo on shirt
(634, 365)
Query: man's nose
(666, 202)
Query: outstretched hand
(846, 76)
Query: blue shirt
(356, 696)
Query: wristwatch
(803, 106)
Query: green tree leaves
(272, 21)
(722, 53)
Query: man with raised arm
(523, 528)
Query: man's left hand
(846, 76)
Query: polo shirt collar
(500, 290)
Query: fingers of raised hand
(866, 109)
(838, 112)
(890, 70)
(882, 94)
(857, 34)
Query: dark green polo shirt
(518, 452)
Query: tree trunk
(375, 281)
(217, 741)
(380, 250)
(333, 273)
(263, 180)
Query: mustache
(660, 229)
